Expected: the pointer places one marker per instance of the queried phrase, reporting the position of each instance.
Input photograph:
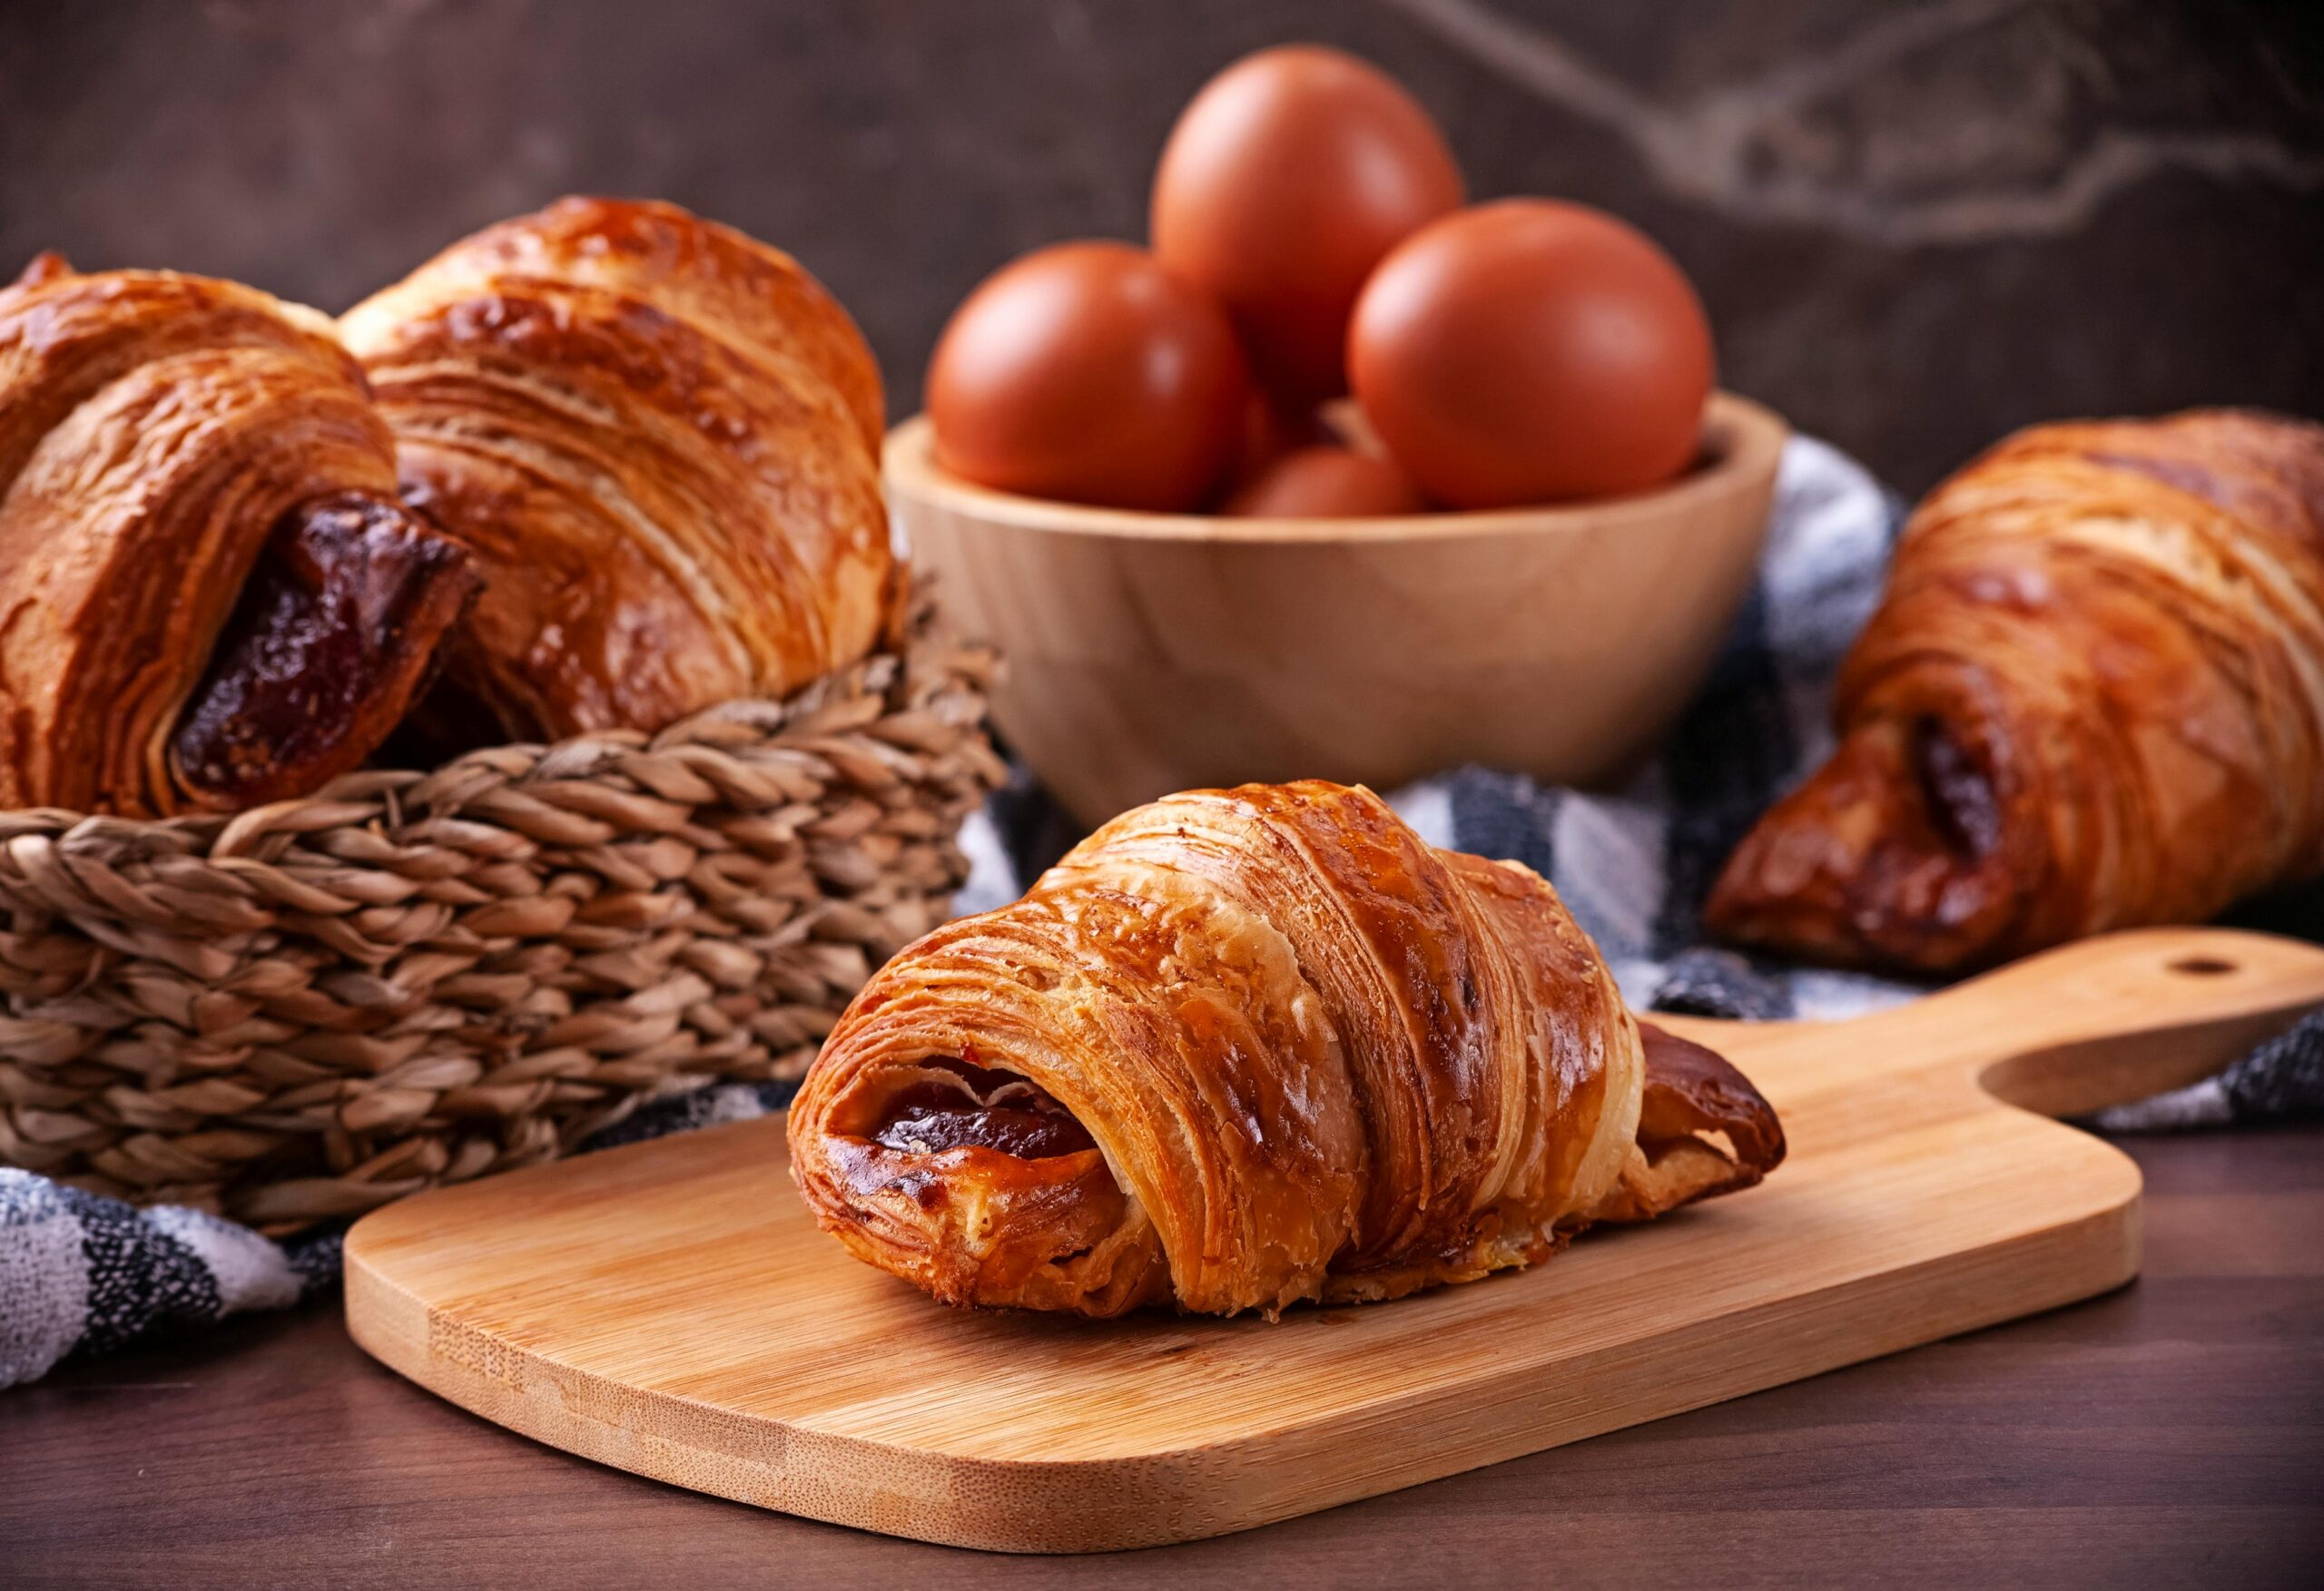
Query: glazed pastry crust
(2092, 698)
(1314, 1057)
(210, 595)
(661, 440)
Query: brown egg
(1269, 431)
(1284, 181)
(1327, 482)
(1086, 373)
(1529, 350)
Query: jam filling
(958, 1103)
(1958, 792)
(336, 631)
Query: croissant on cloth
(2092, 698)
(660, 438)
(1245, 1048)
(209, 594)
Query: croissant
(2092, 698)
(660, 438)
(210, 594)
(1242, 1048)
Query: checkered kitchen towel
(80, 1272)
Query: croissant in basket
(2092, 698)
(661, 439)
(1245, 1048)
(210, 595)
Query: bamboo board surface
(669, 1308)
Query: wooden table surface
(2168, 1434)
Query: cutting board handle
(2118, 1018)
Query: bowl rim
(909, 465)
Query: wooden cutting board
(669, 1308)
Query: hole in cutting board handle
(2157, 1010)
(2091, 1075)
(2202, 966)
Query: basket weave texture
(306, 1010)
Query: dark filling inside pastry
(335, 633)
(1956, 790)
(954, 1101)
(999, 1193)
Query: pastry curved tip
(1691, 1088)
(1703, 1130)
(48, 265)
(1893, 856)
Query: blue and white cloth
(81, 1273)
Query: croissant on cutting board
(210, 594)
(661, 440)
(1242, 1048)
(2092, 698)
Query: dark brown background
(1917, 224)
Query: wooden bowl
(1151, 652)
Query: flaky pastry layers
(661, 440)
(1245, 1048)
(2092, 698)
(210, 594)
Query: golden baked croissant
(210, 595)
(661, 438)
(1245, 1048)
(2092, 698)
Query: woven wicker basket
(314, 1008)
